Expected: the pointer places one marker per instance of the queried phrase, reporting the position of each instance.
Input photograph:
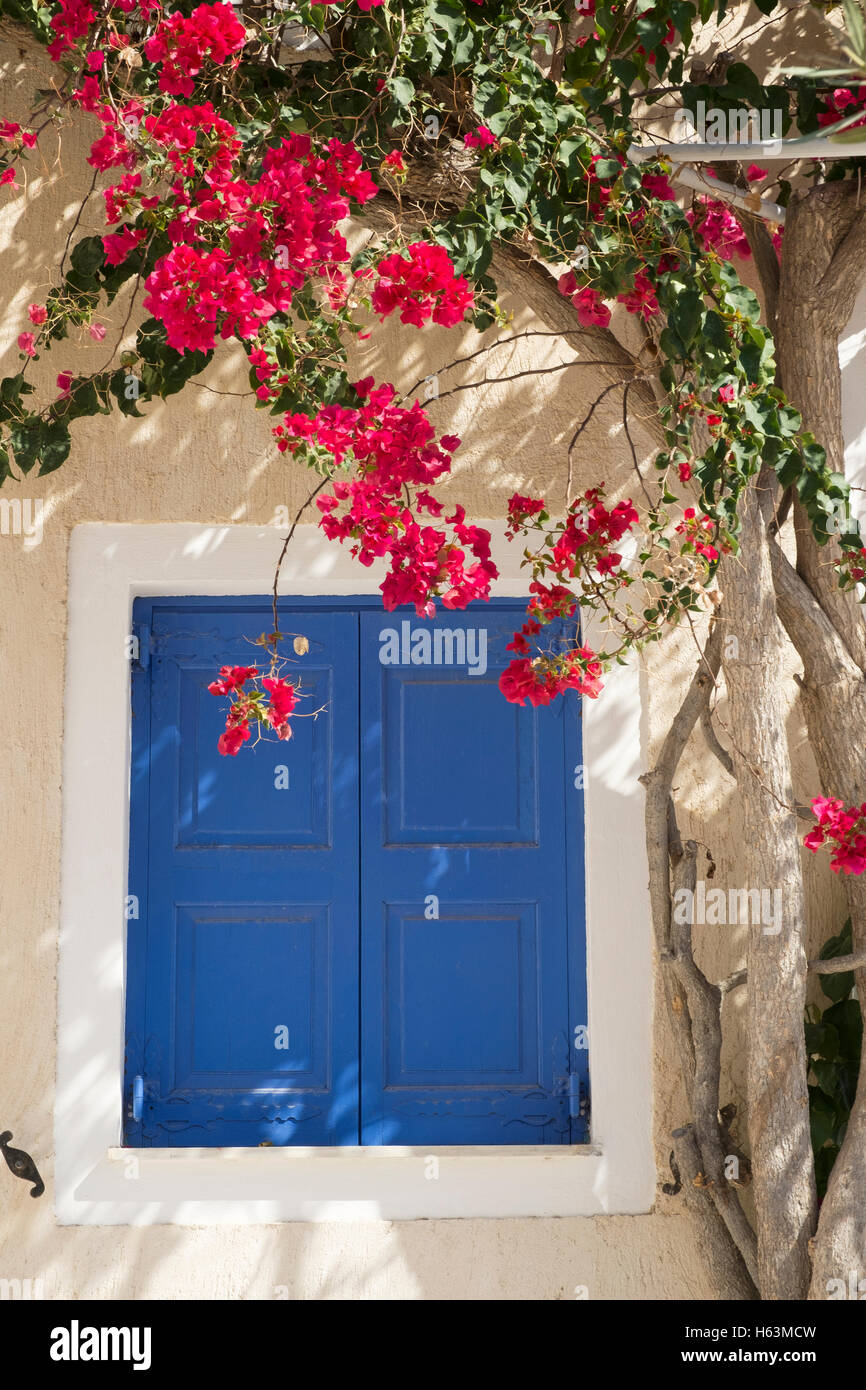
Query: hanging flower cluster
(844, 830)
(699, 533)
(580, 547)
(269, 707)
(717, 228)
(391, 458)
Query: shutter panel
(243, 960)
(466, 1036)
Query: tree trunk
(822, 270)
(778, 1102)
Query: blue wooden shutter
(246, 893)
(446, 886)
(471, 843)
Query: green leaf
(822, 1040)
(606, 170)
(54, 447)
(822, 1116)
(685, 316)
(827, 1076)
(402, 90)
(846, 1020)
(788, 467)
(88, 256)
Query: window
(372, 934)
(98, 1183)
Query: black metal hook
(670, 1189)
(21, 1164)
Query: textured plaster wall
(207, 457)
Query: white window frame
(99, 1183)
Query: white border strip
(99, 1184)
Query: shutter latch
(141, 649)
(21, 1164)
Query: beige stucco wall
(208, 457)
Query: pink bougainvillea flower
(843, 829)
(230, 677)
(640, 299)
(754, 174)
(658, 186)
(37, 313)
(591, 308)
(229, 743)
(96, 331)
(481, 138)
(26, 343)
(64, 381)
(119, 245)
(727, 393)
(394, 160)
(8, 176)
(282, 703)
(841, 103)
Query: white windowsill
(214, 1186)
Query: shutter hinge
(577, 1094)
(141, 646)
(137, 1097)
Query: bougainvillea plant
(226, 218)
(229, 144)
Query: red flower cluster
(422, 287)
(11, 132)
(696, 529)
(278, 230)
(520, 509)
(658, 186)
(585, 538)
(183, 44)
(640, 299)
(75, 18)
(252, 705)
(541, 680)
(845, 829)
(844, 102)
(232, 678)
(481, 139)
(591, 308)
(394, 452)
(852, 567)
(718, 229)
(582, 545)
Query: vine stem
(300, 512)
